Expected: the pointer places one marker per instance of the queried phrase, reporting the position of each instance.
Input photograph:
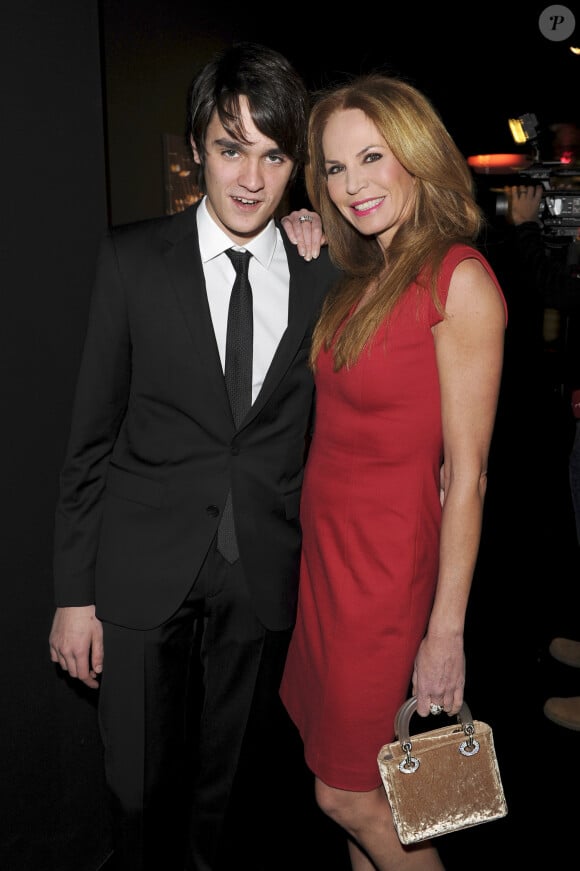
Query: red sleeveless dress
(370, 514)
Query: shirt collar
(213, 241)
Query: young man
(187, 645)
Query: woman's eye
(374, 155)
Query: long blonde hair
(445, 209)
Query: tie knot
(240, 259)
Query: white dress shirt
(270, 279)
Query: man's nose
(251, 176)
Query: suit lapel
(188, 281)
(299, 315)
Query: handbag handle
(409, 707)
(410, 764)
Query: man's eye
(230, 152)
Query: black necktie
(238, 375)
(240, 338)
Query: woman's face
(365, 181)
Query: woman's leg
(373, 841)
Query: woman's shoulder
(460, 251)
(473, 270)
(466, 262)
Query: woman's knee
(348, 809)
(329, 800)
(354, 811)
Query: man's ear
(195, 151)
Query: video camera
(559, 209)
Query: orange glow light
(498, 163)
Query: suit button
(212, 510)
(235, 450)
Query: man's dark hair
(277, 98)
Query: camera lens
(501, 204)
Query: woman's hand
(304, 229)
(439, 674)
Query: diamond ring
(303, 218)
(435, 709)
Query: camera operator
(556, 279)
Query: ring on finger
(304, 218)
(435, 709)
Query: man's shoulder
(323, 269)
(316, 268)
(171, 226)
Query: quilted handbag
(441, 780)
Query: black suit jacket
(153, 448)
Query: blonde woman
(407, 356)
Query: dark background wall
(88, 91)
(480, 65)
(54, 195)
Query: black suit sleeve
(100, 402)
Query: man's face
(244, 181)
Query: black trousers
(189, 715)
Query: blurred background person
(550, 268)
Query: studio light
(525, 129)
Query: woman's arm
(469, 346)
